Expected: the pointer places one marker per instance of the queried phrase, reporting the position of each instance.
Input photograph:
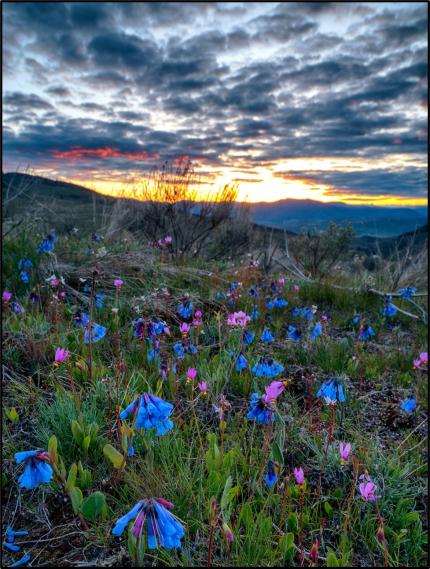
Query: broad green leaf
(94, 506)
(113, 455)
(86, 443)
(332, 559)
(71, 479)
(12, 414)
(78, 433)
(76, 498)
(53, 448)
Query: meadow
(244, 418)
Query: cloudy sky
(320, 100)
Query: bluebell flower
(271, 477)
(47, 245)
(139, 327)
(260, 412)
(24, 276)
(409, 404)
(186, 309)
(36, 470)
(247, 337)
(356, 320)
(255, 314)
(11, 546)
(162, 526)
(307, 313)
(316, 331)
(130, 450)
(280, 302)
(331, 389)
(97, 330)
(17, 308)
(153, 354)
(234, 285)
(270, 304)
(408, 292)
(253, 292)
(267, 367)
(25, 559)
(389, 309)
(366, 332)
(11, 534)
(99, 300)
(178, 348)
(152, 412)
(294, 333)
(24, 263)
(267, 336)
(241, 363)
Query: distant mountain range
(293, 215)
(380, 221)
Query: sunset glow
(320, 101)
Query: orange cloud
(79, 153)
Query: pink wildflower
(299, 476)
(184, 328)
(367, 491)
(203, 386)
(61, 355)
(273, 391)
(344, 449)
(118, 283)
(6, 296)
(191, 373)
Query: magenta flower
(422, 359)
(168, 240)
(6, 296)
(296, 288)
(281, 281)
(273, 391)
(203, 386)
(191, 373)
(227, 532)
(184, 328)
(299, 476)
(238, 319)
(61, 356)
(54, 282)
(367, 491)
(118, 283)
(344, 449)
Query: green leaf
(94, 506)
(225, 498)
(12, 414)
(77, 432)
(53, 448)
(328, 510)
(277, 453)
(286, 546)
(71, 479)
(76, 498)
(412, 517)
(113, 455)
(86, 443)
(293, 523)
(332, 559)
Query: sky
(310, 100)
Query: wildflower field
(161, 412)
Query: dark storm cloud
(409, 182)
(283, 79)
